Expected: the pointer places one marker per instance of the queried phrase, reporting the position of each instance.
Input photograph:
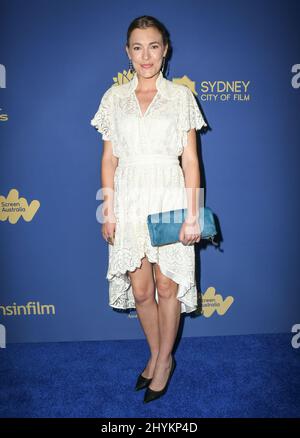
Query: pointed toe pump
(142, 382)
(150, 394)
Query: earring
(163, 64)
(131, 68)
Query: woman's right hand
(108, 232)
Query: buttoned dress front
(148, 179)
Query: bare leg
(143, 288)
(169, 311)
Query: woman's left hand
(190, 232)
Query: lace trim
(190, 116)
(120, 289)
(101, 120)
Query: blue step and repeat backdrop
(242, 61)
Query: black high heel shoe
(142, 382)
(150, 394)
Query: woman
(146, 124)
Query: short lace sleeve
(191, 116)
(102, 119)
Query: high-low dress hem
(120, 287)
(122, 280)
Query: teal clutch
(164, 227)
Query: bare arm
(190, 167)
(108, 166)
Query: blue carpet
(225, 376)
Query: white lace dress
(148, 179)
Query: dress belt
(148, 159)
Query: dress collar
(158, 83)
(164, 87)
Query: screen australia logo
(13, 207)
(213, 302)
